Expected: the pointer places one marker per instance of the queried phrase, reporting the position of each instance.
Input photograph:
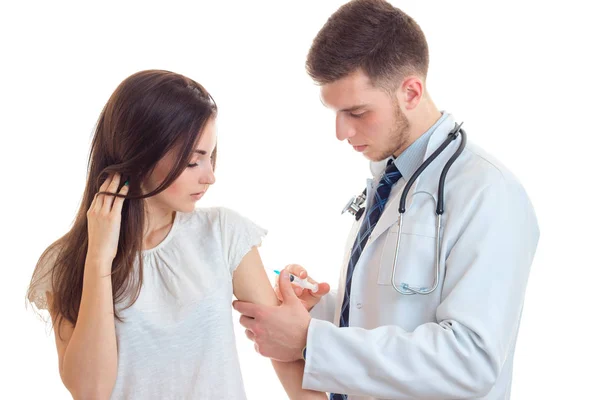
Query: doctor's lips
(360, 149)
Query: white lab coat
(459, 341)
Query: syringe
(303, 283)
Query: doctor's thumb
(285, 286)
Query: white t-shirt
(177, 340)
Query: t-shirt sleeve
(41, 281)
(238, 235)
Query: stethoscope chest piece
(355, 205)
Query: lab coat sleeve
(462, 353)
(325, 308)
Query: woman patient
(139, 290)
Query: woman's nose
(208, 177)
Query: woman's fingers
(118, 202)
(112, 188)
(105, 184)
(98, 201)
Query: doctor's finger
(245, 308)
(277, 292)
(324, 288)
(297, 270)
(247, 322)
(297, 289)
(285, 286)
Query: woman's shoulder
(41, 280)
(222, 216)
(222, 222)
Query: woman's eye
(193, 165)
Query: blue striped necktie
(390, 177)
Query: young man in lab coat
(367, 340)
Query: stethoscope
(356, 207)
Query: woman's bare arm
(87, 352)
(251, 284)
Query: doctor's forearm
(290, 375)
(433, 362)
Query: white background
(522, 75)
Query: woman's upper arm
(62, 331)
(250, 281)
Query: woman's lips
(197, 196)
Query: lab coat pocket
(415, 264)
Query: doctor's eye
(357, 115)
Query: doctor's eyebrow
(348, 109)
(354, 108)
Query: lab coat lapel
(370, 184)
(349, 244)
(390, 213)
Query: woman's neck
(158, 222)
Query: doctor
(367, 340)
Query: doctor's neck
(419, 119)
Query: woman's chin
(187, 208)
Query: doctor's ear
(410, 92)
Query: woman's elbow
(84, 389)
(91, 392)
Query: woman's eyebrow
(203, 152)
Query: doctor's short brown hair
(371, 35)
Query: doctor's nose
(343, 128)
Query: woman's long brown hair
(149, 114)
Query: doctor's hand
(308, 298)
(278, 332)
